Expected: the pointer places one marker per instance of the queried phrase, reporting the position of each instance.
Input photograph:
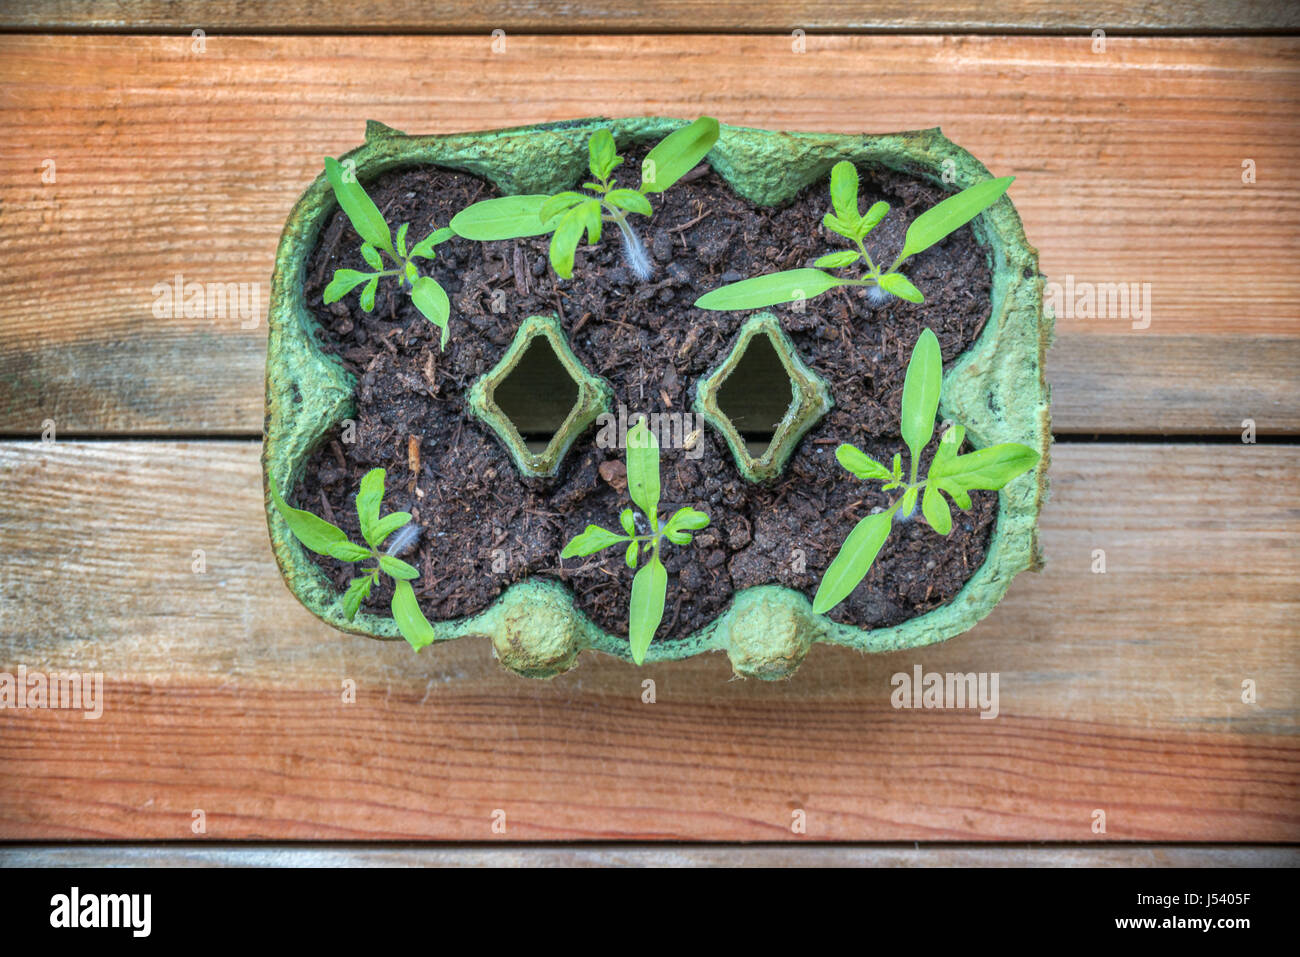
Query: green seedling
(950, 472)
(568, 214)
(650, 585)
(428, 297)
(798, 284)
(323, 538)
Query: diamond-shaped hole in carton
(537, 395)
(756, 395)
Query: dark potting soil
(485, 527)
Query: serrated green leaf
(988, 469)
(936, 510)
(358, 591)
(959, 495)
(346, 551)
(415, 628)
(861, 465)
(389, 524)
(591, 540)
(646, 610)
(564, 244)
(371, 255)
(630, 200)
(682, 522)
(368, 294)
(844, 192)
(344, 281)
(686, 519)
(838, 260)
(369, 496)
(506, 217)
(773, 289)
(643, 470)
(847, 230)
(921, 395)
(361, 210)
(900, 286)
(951, 214)
(401, 238)
(315, 533)
(396, 568)
(677, 154)
(875, 214)
(424, 248)
(853, 561)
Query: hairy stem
(634, 251)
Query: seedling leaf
(677, 154)
(861, 465)
(646, 611)
(643, 470)
(415, 628)
(314, 533)
(387, 525)
(936, 510)
(951, 214)
(901, 286)
(921, 395)
(358, 591)
(368, 294)
(369, 495)
(564, 244)
(771, 290)
(603, 154)
(344, 281)
(630, 200)
(853, 561)
(431, 299)
(346, 551)
(558, 203)
(592, 540)
(506, 217)
(839, 259)
(398, 568)
(424, 248)
(844, 192)
(365, 216)
(989, 468)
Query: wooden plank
(1119, 692)
(649, 16)
(1174, 385)
(169, 161)
(340, 856)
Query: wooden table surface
(1121, 692)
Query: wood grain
(1118, 691)
(648, 16)
(787, 855)
(171, 161)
